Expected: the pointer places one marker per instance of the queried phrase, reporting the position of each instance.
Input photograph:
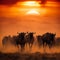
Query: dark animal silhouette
(39, 40)
(18, 40)
(21, 40)
(30, 39)
(57, 41)
(15, 41)
(6, 40)
(48, 39)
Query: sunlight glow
(30, 3)
(33, 12)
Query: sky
(16, 16)
(11, 2)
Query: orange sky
(14, 19)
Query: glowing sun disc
(30, 3)
(32, 12)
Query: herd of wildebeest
(28, 38)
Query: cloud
(11, 2)
(8, 2)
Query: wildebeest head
(21, 36)
(52, 36)
(31, 35)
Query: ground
(29, 56)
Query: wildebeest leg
(18, 47)
(26, 44)
(30, 46)
(50, 45)
(43, 44)
(22, 48)
(5, 46)
(39, 45)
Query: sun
(30, 3)
(33, 12)
(30, 7)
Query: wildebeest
(15, 41)
(30, 39)
(18, 40)
(57, 40)
(21, 40)
(39, 40)
(6, 40)
(48, 39)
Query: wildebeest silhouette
(39, 40)
(6, 40)
(18, 40)
(30, 38)
(21, 40)
(48, 39)
(15, 41)
(57, 40)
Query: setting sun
(30, 3)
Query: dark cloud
(8, 2)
